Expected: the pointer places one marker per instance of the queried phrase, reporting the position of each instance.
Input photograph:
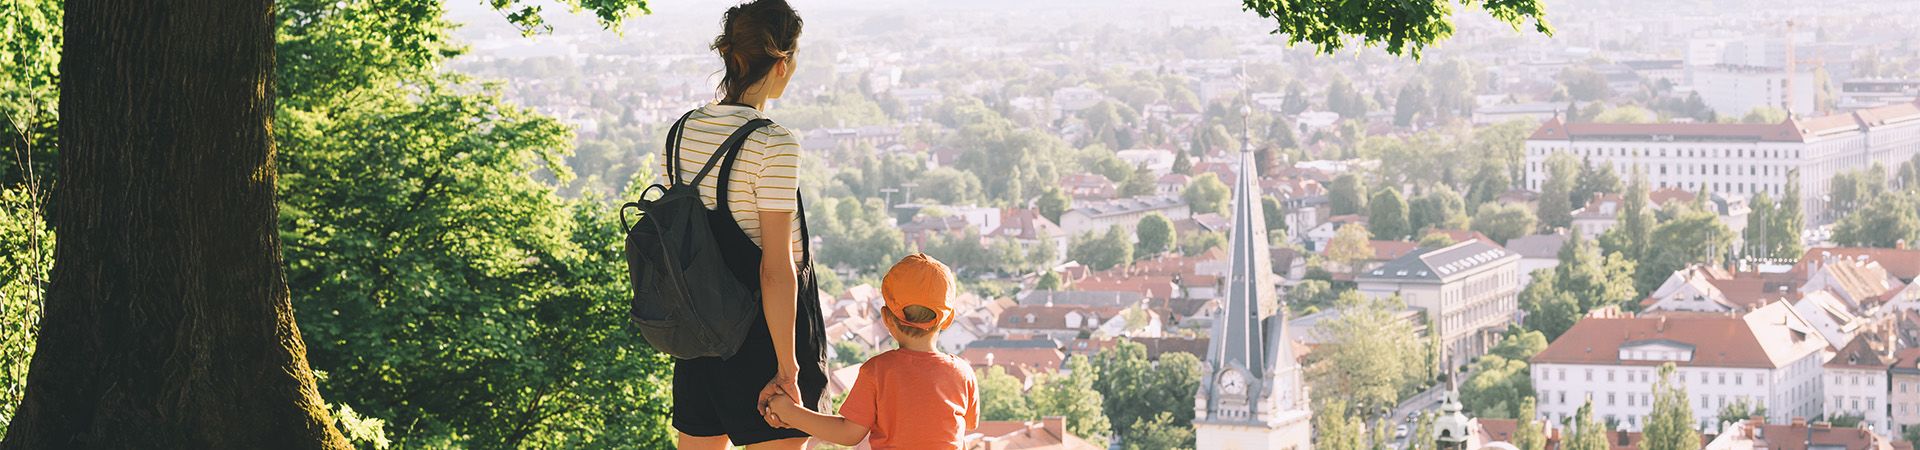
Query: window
(1609, 399)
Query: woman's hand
(786, 383)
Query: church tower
(1251, 394)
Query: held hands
(780, 394)
(776, 406)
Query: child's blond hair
(915, 314)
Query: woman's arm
(830, 427)
(779, 299)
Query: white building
(1540, 251)
(1097, 217)
(1468, 289)
(1734, 90)
(1856, 381)
(1769, 357)
(1738, 159)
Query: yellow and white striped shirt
(766, 176)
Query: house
(1597, 216)
(1856, 381)
(1758, 434)
(1712, 289)
(1864, 286)
(1468, 289)
(1769, 357)
(1022, 358)
(1032, 231)
(1539, 251)
(1836, 321)
(1087, 186)
(1097, 217)
(1318, 237)
(1902, 263)
(1061, 322)
(1048, 433)
(1171, 184)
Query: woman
(717, 401)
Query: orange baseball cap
(919, 279)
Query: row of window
(1618, 152)
(1648, 375)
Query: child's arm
(830, 427)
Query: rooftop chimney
(1799, 421)
(1055, 424)
(1823, 425)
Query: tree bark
(168, 323)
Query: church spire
(1239, 337)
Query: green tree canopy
(1102, 251)
(1388, 216)
(1206, 194)
(1670, 426)
(1154, 236)
(1403, 28)
(1371, 357)
(1502, 222)
(1440, 208)
(1347, 194)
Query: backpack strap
(806, 241)
(725, 156)
(673, 147)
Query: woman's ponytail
(754, 36)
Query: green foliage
(1764, 115)
(1626, 114)
(1885, 221)
(1502, 222)
(26, 258)
(1311, 296)
(833, 109)
(1071, 394)
(1350, 245)
(1411, 102)
(1556, 195)
(1851, 420)
(1002, 396)
(855, 234)
(1388, 218)
(1405, 28)
(1520, 345)
(1583, 281)
(1206, 194)
(1670, 426)
(1592, 181)
(1140, 181)
(1334, 427)
(1198, 242)
(1739, 410)
(1435, 240)
(1371, 357)
(1346, 195)
(1497, 387)
(1049, 281)
(1422, 436)
(1585, 84)
(1024, 161)
(848, 353)
(1052, 203)
(1154, 234)
(1296, 100)
(1629, 238)
(1440, 208)
(1587, 433)
(1345, 101)
(365, 431)
(1692, 236)
(951, 187)
(1158, 433)
(439, 285)
(30, 41)
(1136, 389)
(1273, 213)
(1527, 434)
(1102, 251)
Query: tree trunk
(168, 323)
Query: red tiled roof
(1901, 263)
(1718, 340)
(1159, 287)
(1388, 250)
(1052, 317)
(1662, 196)
(1795, 437)
(1022, 363)
(1047, 434)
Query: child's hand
(776, 405)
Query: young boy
(913, 397)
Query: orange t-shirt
(913, 400)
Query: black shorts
(713, 397)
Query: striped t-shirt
(764, 178)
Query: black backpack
(691, 298)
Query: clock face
(1233, 382)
